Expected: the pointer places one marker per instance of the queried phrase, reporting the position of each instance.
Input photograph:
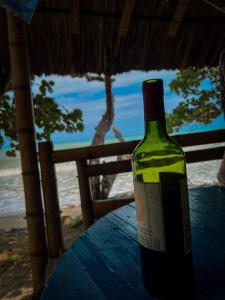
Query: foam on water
(11, 189)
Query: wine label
(163, 214)
(149, 215)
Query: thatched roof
(111, 36)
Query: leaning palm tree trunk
(108, 180)
(101, 186)
(101, 131)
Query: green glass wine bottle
(161, 197)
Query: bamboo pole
(126, 17)
(26, 135)
(85, 194)
(74, 17)
(178, 16)
(51, 202)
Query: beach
(12, 209)
(15, 270)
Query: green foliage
(49, 117)
(199, 104)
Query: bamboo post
(85, 193)
(26, 135)
(51, 202)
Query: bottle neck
(155, 129)
(154, 111)
(153, 100)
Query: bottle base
(167, 277)
(171, 295)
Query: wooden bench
(94, 209)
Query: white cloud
(92, 109)
(127, 106)
(67, 84)
(126, 101)
(71, 102)
(132, 77)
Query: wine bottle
(161, 198)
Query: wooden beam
(204, 154)
(92, 152)
(200, 138)
(123, 166)
(74, 17)
(124, 23)
(177, 17)
(51, 201)
(221, 9)
(197, 19)
(102, 207)
(126, 17)
(85, 194)
(26, 135)
(113, 167)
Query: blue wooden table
(104, 262)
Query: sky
(90, 98)
(77, 92)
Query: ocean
(11, 189)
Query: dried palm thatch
(102, 36)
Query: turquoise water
(59, 140)
(71, 140)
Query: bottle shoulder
(149, 160)
(163, 147)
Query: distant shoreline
(187, 129)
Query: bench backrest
(92, 209)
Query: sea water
(11, 188)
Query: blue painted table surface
(104, 262)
